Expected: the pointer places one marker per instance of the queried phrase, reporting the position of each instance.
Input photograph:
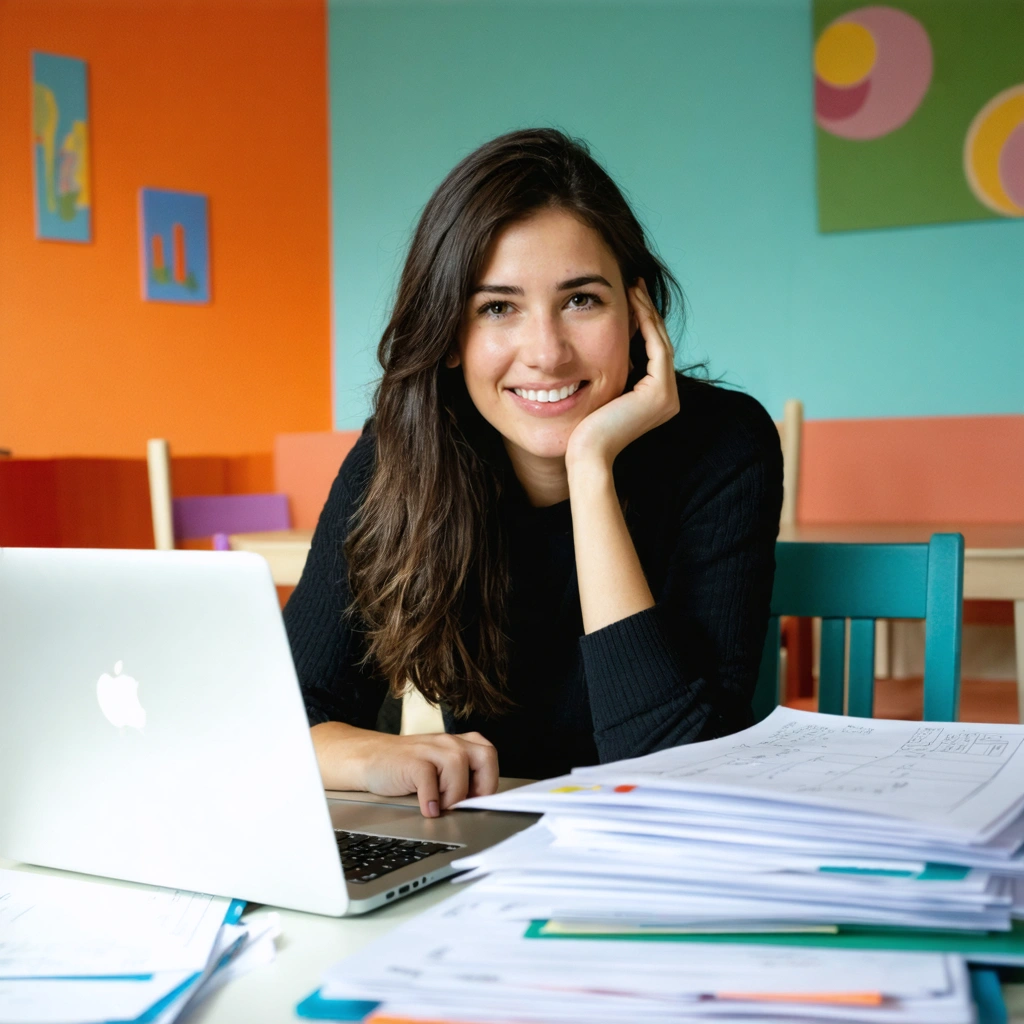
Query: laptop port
(390, 895)
(404, 888)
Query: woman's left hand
(653, 401)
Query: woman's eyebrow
(579, 282)
(564, 286)
(501, 289)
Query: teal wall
(701, 110)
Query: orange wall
(223, 97)
(952, 469)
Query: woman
(544, 528)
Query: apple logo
(119, 699)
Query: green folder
(979, 947)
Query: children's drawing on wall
(920, 112)
(60, 148)
(175, 243)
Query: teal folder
(315, 1007)
(977, 947)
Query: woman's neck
(545, 481)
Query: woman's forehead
(545, 249)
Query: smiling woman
(545, 529)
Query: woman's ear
(452, 359)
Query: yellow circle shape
(844, 54)
(986, 137)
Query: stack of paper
(468, 960)
(804, 819)
(811, 868)
(76, 952)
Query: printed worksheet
(960, 778)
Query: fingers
(648, 315)
(454, 774)
(660, 354)
(424, 778)
(483, 766)
(441, 769)
(475, 737)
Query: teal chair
(864, 582)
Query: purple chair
(214, 516)
(221, 514)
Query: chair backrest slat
(858, 581)
(943, 627)
(864, 582)
(832, 666)
(860, 692)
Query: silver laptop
(152, 729)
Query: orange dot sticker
(624, 789)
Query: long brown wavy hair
(426, 552)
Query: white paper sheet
(238, 948)
(950, 778)
(52, 926)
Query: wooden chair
(790, 428)
(858, 583)
(215, 515)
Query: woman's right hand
(440, 768)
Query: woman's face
(545, 335)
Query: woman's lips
(548, 408)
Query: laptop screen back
(152, 729)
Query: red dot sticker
(624, 789)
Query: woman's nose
(545, 345)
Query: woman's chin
(546, 446)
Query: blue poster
(175, 241)
(60, 148)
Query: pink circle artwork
(895, 86)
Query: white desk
(307, 947)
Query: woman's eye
(583, 300)
(495, 309)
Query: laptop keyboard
(365, 857)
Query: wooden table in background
(285, 550)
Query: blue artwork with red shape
(175, 246)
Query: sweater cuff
(630, 669)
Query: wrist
(343, 753)
(589, 474)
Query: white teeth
(553, 395)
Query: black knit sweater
(702, 496)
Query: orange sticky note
(832, 998)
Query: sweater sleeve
(326, 641)
(685, 669)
